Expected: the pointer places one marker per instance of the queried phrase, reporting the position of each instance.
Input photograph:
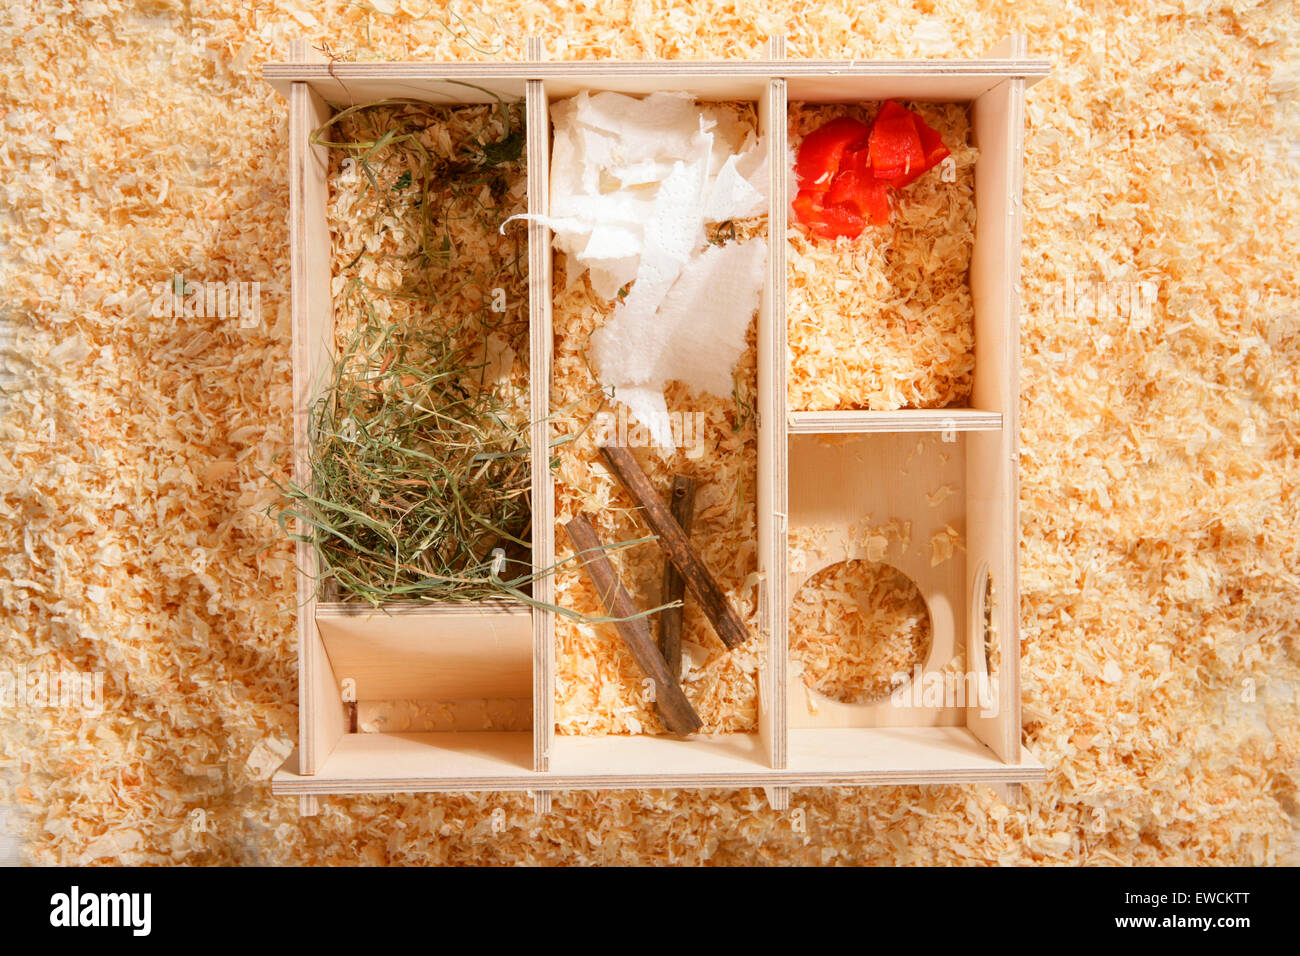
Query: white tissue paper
(633, 183)
(695, 335)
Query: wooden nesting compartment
(845, 468)
(497, 651)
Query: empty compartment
(458, 679)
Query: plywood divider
(430, 652)
(321, 718)
(992, 484)
(343, 90)
(541, 346)
(778, 798)
(773, 718)
(810, 79)
(1010, 793)
(903, 420)
(1013, 47)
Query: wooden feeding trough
(817, 469)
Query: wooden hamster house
(499, 650)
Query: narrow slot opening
(988, 628)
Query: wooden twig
(674, 543)
(674, 709)
(682, 505)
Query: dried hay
(420, 470)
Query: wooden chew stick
(682, 504)
(674, 709)
(713, 602)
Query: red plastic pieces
(846, 168)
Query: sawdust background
(1159, 468)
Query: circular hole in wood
(859, 628)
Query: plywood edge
(1000, 64)
(302, 53)
(457, 616)
(396, 609)
(542, 802)
(902, 420)
(283, 784)
(935, 756)
(993, 480)
(778, 798)
(1013, 47)
(780, 520)
(321, 718)
(772, 521)
(541, 345)
(1011, 645)
(331, 77)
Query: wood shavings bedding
(854, 627)
(376, 247)
(1136, 169)
(598, 684)
(944, 544)
(886, 320)
(599, 687)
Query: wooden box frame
(503, 650)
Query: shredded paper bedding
(635, 182)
